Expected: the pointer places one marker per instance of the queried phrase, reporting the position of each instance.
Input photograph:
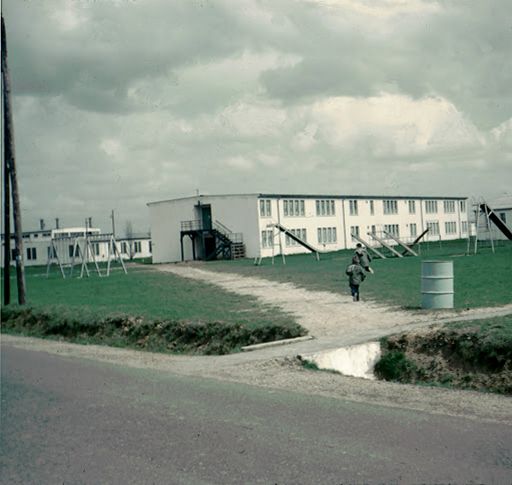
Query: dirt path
(326, 314)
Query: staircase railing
(234, 237)
(197, 225)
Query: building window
(137, 247)
(294, 207)
(267, 239)
(390, 206)
(503, 217)
(449, 206)
(353, 207)
(372, 208)
(325, 207)
(450, 227)
(393, 229)
(412, 207)
(464, 227)
(265, 208)
(96, 247)
(327, 235)
(52, 252)
(413, 231)
(373, 230)
(300, 233)
(431, 206)
(433, 228)
(462, 205)
(354, 231)
(31, 254)
(150, 246)
(124, 248)
(70, 250)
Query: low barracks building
(194, 227)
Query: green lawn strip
(468, 355)
(480, 280)
(143, 300)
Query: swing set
(68, 252)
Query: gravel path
(326, 314)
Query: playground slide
(297, 239)
(497, 221)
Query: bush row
(141, 333)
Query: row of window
(327, 207)
(433, 227)
(300, 233)
(32, 252)
(325, 235)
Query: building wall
(356, 215)
(165, 218)
(254, 215)
(237, 212)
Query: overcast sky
(119, 103)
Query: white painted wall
(237, 212)
(165, 218)
(241, 213)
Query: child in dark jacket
(363, 257)
(356, 276)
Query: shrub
(394, 366)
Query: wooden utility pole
(9, 154)
(7, 231)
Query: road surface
(73, 420)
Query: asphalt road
(71, 420)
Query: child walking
(363, 257)
(356, 276)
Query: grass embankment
(480, 280)
(145, 309)
(469, 355)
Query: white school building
(216, 226)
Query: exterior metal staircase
(215, 242)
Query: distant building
(37, 244)
(208, 227)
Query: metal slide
(385, 244)
(407, 248)
(297, 239)
(497, 221)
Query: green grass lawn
(144, 292)
(484, 279)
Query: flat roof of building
(315, 196)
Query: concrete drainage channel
(355, 360)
